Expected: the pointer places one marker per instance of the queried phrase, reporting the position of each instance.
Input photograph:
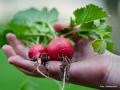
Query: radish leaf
(99, 46)
(89, 13)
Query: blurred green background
(13, 79)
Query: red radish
(59, 26)
(60, 46)
(36, 51)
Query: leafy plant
(31, 24)
(35, 26)
(92, 25)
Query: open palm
(88, 68)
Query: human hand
(90, 69)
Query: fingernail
(5, 47)
(10, 35)
(11, 59)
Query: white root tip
(38, 70)
(64, 77)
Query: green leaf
(104, 26)
(88, 26)
(32, 15)
(84, 33)
(111, 46)
(85, 30)
(83, 36)
(94, 36)
(96, 22)
(108, 38)
(29, 24)
(99, 46)
(27, 16)
(89, 13)
(52, 16)
(72, 22)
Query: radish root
(64, 79)
(64, 70)
(40, 72)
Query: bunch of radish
(59, 49)
(56, 42)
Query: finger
(17, 45)
(59, 26)
(22, 63)
(26, 66)
(54, 69)
(9, 51)
(83, 49)
(28, 73)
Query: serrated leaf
(27, 16)
(53, 15)
(31, 21)
(87, 26)
(99, 46)
(34, 15)
(89, 13)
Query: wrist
(112, 79)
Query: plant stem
(73, 31)
(40, 34)
(101, 37)
(68, 33)
(38, 40)
(51, 28)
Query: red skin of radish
(59, 27)
(36, 51)
(60, 46)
